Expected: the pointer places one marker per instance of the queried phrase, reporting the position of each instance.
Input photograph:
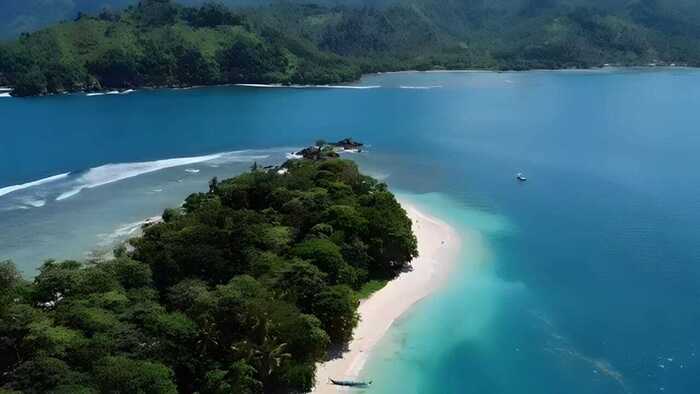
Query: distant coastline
(7, 91)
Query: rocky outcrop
(348, 144)
(317, 153)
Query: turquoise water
(583, 280)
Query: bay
(585, 279)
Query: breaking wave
(35, 194)
(14, 188)
(35, 203)
(421, 87)
(110, 93)
(110, 173)
(125, 231)
(280, 86)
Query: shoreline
(7, 92)
(439, 245)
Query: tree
(9, 280)
(43, 374)
(157, 12)
(191, 296)
(239, 378)
(130, 274)
(242, 290)
(56, 281)
(117, 68)
(301, 283)
(212, 14)
(336, 308)
(326, 255)
(31, 83)
(213, 184)
(124, 375)
(249, 59)
(391, 241)
(194, 68)
(304, 336)
(15, 322)
(53, 340)
(346, 218)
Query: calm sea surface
(586, 279)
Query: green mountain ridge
(160, 43)
(20, 16)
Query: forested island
(160, 43)
(241, 290)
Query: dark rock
(317, 153)
(347, 143)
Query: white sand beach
(438, 246)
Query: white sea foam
(111, 92)
(280, 86)
(14, 208)
(237, 157)
(5, 95)
(421, 87)
(10, 189)
(190, 87)
(126, 231)
(342, 87)
(32, 202)
(192, 171)
(109, 173)
(260, 85)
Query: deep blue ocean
(585, 279)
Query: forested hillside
(161, 43)
(242, 290)
(24, 16)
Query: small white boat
(519, 176)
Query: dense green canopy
(163, 43)
(160, 43)
(241, 290)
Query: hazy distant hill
(680, 17)
(19, 16)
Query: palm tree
(267, 356)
